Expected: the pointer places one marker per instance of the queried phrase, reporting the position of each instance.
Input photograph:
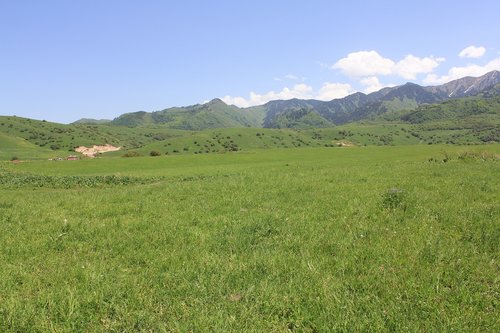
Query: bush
(154, 153)
(394, 198)
(131, 154)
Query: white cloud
(472, 52)
(410, 66)
(291, 77)
(366, 67)
(301, 91)
(364, 63)
(459, 72)
(371, 63)
(331, 91)
(327, 92)
(372, 84)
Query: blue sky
(64, 60)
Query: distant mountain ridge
(298, 113)
(407, 114)
(214, 114)
(466, 86)
(359, 106)
(91, 121)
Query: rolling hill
(61, 137)
(407, 114)
(12, 147)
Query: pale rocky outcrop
(95, 150)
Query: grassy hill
(223, 128)
(60, 137)
(214, 114)
(455, 109)
(358, 134)
(11, 146)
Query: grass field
(402, 238)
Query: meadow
(377, 238)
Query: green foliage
(154, 153)
(394, 198)
(466, 155)
(131, 154)
(19, 180)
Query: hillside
(407, 114)
(15, 147)
(296, 113)
(60, 137)
(455, 109)
(214, 114)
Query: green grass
(278, 240)
(366, 134)
(11, 146)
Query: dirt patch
(344, 144)
(95, 150)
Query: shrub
(393, 198)
(477, 156)
(154, 153)
(131, 154)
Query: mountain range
(297, 113)
(361, 106)
(464, 111)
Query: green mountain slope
(299, 118)
(214, 114)
(388, 102)
(455, 109)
